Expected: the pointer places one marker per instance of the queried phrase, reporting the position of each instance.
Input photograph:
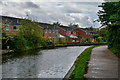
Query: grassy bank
(81, 64)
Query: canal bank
(79, 67)
(56, 46)
(102, 64)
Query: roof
(47, 26)
(10, 20)
(91, 31)
(67, 28)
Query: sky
(81, 12)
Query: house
(85, 34)
(49, 30)
(11, 24)
(69, 33)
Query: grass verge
(81, 64)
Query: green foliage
(29, 36)
(32, 31)
(103, 33)
(116, 51)
(114, 37)
(110, 16)
(46, 42)
(110, 13)
(57, 24)
(79, 71)
(96, 38)
(4, 35)
(73, 25)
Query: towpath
(103, 64)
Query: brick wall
(82, 33)
(61, 31)
(11, 30)
(51, 35)
(65, 33)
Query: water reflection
(10, 56)
(53, 63)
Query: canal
(51, 63)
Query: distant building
(49, 30)
(72, 35)
(69, 33)
(84, 34)
(12, 24)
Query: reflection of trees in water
(10, 56)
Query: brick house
(72, 35)
(84, 34)
(12, 24)
(69, 33)
(49, 30)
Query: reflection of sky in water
(53, 63)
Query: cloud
(31, 5)
(57, 0)
(82, 13)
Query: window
(53, 31)
(69, 32)
(7, 28)
(56, 31)
(49, 31)
(45, 30)
(15, 28)
(17, 20)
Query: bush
(47, 42)
(115, 51)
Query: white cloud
(54, 0)
(82, 13)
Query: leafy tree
(32, 31)
(73, 25)
(103, 32)
(110, 16)
(56, 24)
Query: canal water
(51, 63)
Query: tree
(73, 25)
(31, 31)
(110, 16)
(103, 32)
(56, 24)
